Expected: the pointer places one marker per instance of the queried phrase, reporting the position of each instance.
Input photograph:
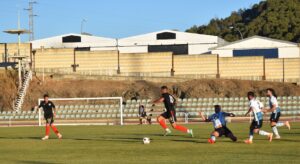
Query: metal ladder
(22, 91)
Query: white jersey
(256, 109)
(273, 102)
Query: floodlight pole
(237, 29)
(81, 29)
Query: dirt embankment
(135, 89)
(146, 89)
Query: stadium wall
(242, 67)
(165, 64)
(11, 49)
(201, 65)
(152, 64)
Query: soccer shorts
(171, 116)
(223, 131)
(49, 120)
(143, 115)
(256, 124)
(275, 117)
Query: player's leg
(213, 136)
(229, 134)
(162, 121)
(251, 132)
(47, 128)
(55, 129)
(141, 120)
(286, 123)
(255, 128)
(173, 120)
(264, 133)
(273, 123)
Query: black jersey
(169, 102)
(47, 107)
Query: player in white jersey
(255, 108)
(275, 110)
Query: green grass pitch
(123, 144)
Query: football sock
(54, 129)
(251, 137)
(163, 124)
(47, 129)
(279, 124)
(263, 133)
(213, 137)
(181, 128)
(275, 131)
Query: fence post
(172, 69)
(33, 61)
(264, 69)
(218, 67)
(74, 65)
(117, 46)
(283, 72)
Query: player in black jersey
(170, 113)
(49, 115)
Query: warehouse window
(165, 35)
(267, 53)
(71, 39)
(178, 49)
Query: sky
(112, 18)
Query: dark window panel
(178, 49)
(267, 53)
(71, 39)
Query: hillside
(83, 87)
(278, 19)
(146, 89)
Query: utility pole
(31, 15)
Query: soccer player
(170, 114)
(219, 122)
(49, 114)
(142, 114)
(275, 110)
(255, 108)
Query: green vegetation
(278, 19)
(123, 144)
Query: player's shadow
(161, 135)
(17, 138)
(121, 139)
(35, 162)
(190, 141)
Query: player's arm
(230, 114)
(53, 110)
(38, 106)
(269, 109)
(204, 118)
(250, 109)
(160, 100)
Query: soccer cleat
(288, 125)
(59, 136)
(45, 138)
(190, 132)
(211, 141)
(270, 137)
(248, 141)
(277, 137)
(167, 132)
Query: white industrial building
(161, 41)
(259, 46)
(76, 41)
(169, 40)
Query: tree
(278, 19)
